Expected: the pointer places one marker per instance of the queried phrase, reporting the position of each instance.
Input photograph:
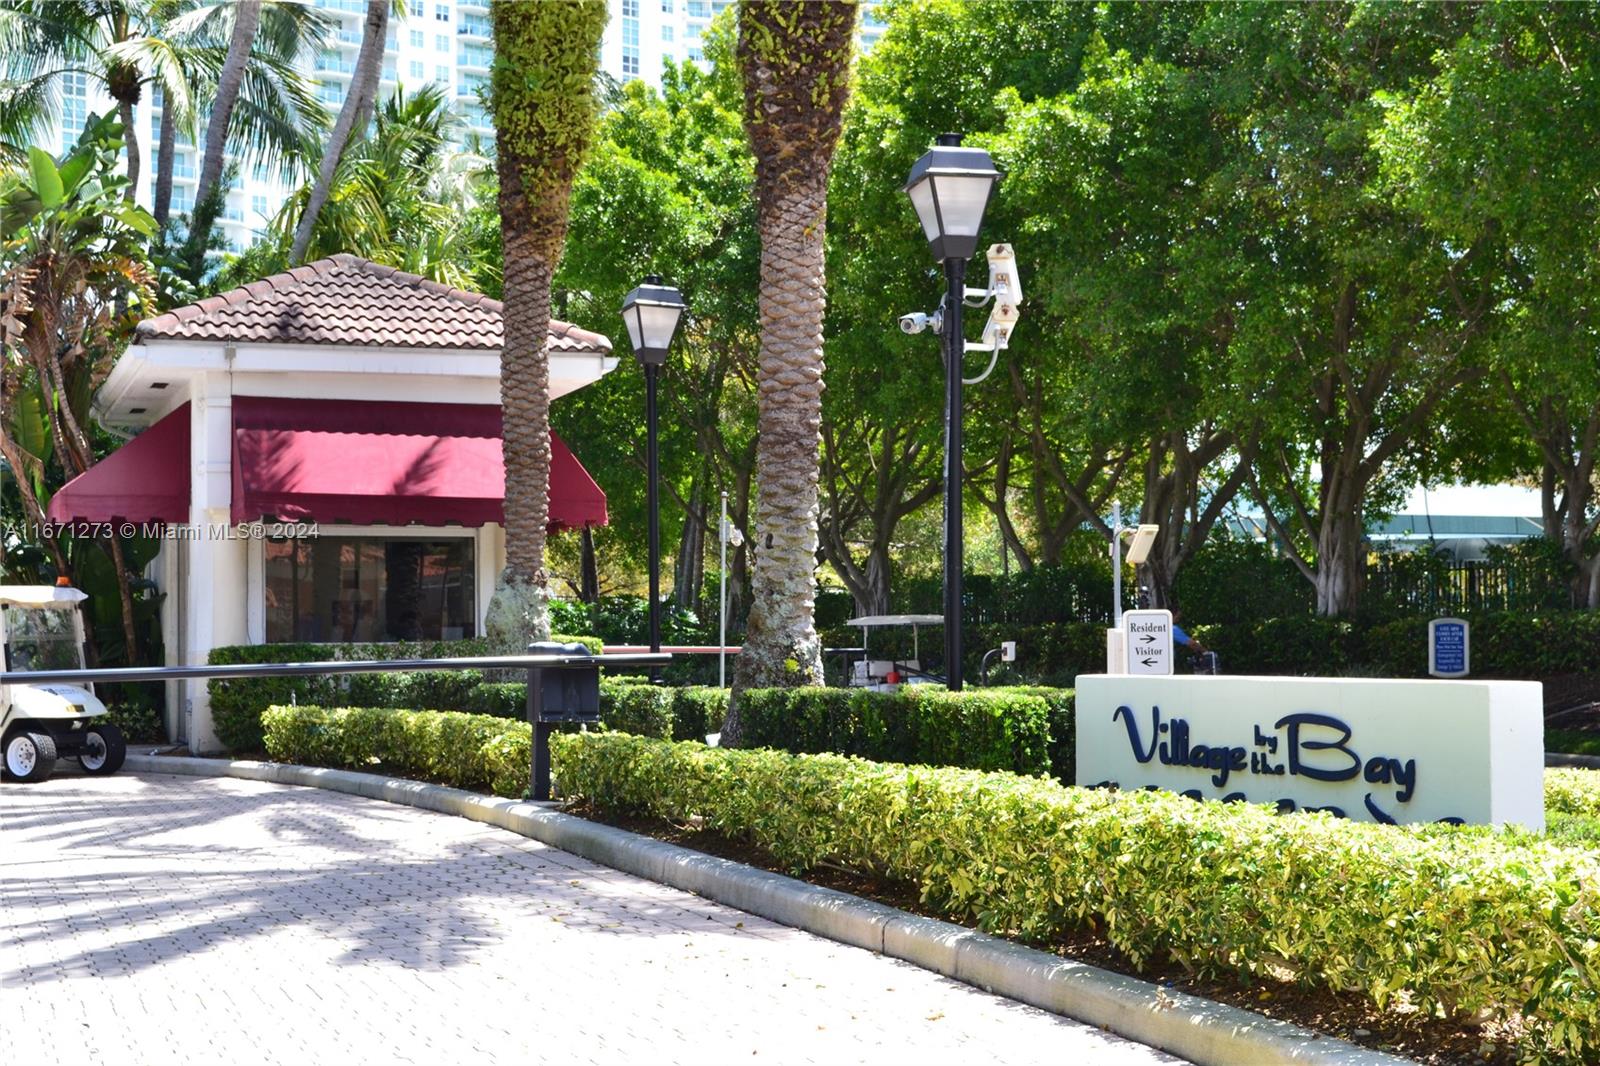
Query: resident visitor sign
(1147, 638)
(1369, 749)
(1448, 648)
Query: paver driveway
(165, 919)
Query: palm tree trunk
(545, 110)
(130, 136)
(795, 61)
(352, 120)
(533, 237)
(247, 16)
(162, 200)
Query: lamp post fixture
(950, 187)
(652, 312)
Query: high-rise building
(642, 34)
(447, 42)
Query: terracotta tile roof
(346, 300)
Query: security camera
(997, 331)
(1004, 284)
(916, 322)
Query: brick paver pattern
(148, 918)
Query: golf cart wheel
(29, 756)
(104, 750)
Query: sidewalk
(145, 918)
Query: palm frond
(27, 108)
(291, 30)
(275, 117)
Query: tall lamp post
(950, 187)
(652, 312)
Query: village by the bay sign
(1369, 749)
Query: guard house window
(343, 589)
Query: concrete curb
(1196, 1029)
(1583, 762)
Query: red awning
(145, 480)
(359, 462)
(382, 463)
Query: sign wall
(1369, 749)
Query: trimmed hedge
(1029, 731)
(1572, 791)
(475, 751)
(1460, 922)
(665, 713)
(237, 703)
(471, 750)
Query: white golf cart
(887, 675)
(41, 628)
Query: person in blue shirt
(1183, 639)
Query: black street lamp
(950, 187)
(652, 312)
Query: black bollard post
(539, 772)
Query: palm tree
(353, 115)
(262, 109)
(116, 43)
(400, 196)
(544, 103)
(795, 59)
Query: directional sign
(1148, 637)
(1449, 647)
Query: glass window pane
(359, 589)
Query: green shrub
(470, 751)
(237, 703)
(1461, 923)
(987, 729)
(1572, 791)
(643, 710)
(140, 723)
(1572, 741)
(698, 711)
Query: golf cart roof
(873, 621)
(40, 596)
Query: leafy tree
(667, 190)
(1506, 137)
(73, 283)
(1355, 322)
(795, 59)
(546, 57)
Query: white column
(489, 554)
(216, 588)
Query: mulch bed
(1426, 1040)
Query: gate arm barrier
(551, 700)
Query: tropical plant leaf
(46, 178)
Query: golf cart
(887, 675)
(42, 629)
